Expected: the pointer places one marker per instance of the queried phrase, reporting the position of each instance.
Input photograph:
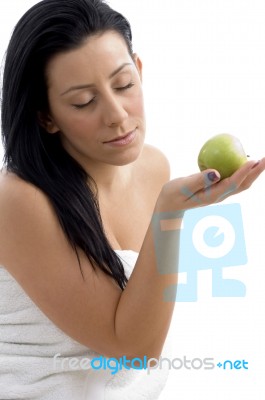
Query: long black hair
(46, 29)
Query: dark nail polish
(213, 177)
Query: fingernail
(257, 163)
(213, 177)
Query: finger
(226, 187)
(240, 175)
(254, 173)
(233, 184)
(200, 181)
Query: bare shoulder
(24, 209)
(35, 251)
(19, 198)
(12, 185)
(15, 193)
(155, 164)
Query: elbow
(135, 351)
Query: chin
(128, 156)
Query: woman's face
(95, 97)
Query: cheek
(75, 124)
(137, 106)
(69, 121)
(79, 124)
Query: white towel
(29, 341)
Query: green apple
(222, 152)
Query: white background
(204, 73)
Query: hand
(205, 188)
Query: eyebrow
(89, 85)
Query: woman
(81, 201)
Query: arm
(94, 311)
(152, 315)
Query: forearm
(145, 308)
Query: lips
(122, 141)
(118, 138)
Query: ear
(47, 122)
(138, 64)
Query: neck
(110, 179)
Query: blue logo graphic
(229, 364)
(209, 238)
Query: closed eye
(78, 106)
(131, 84)
(120, 89)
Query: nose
(114, 112)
